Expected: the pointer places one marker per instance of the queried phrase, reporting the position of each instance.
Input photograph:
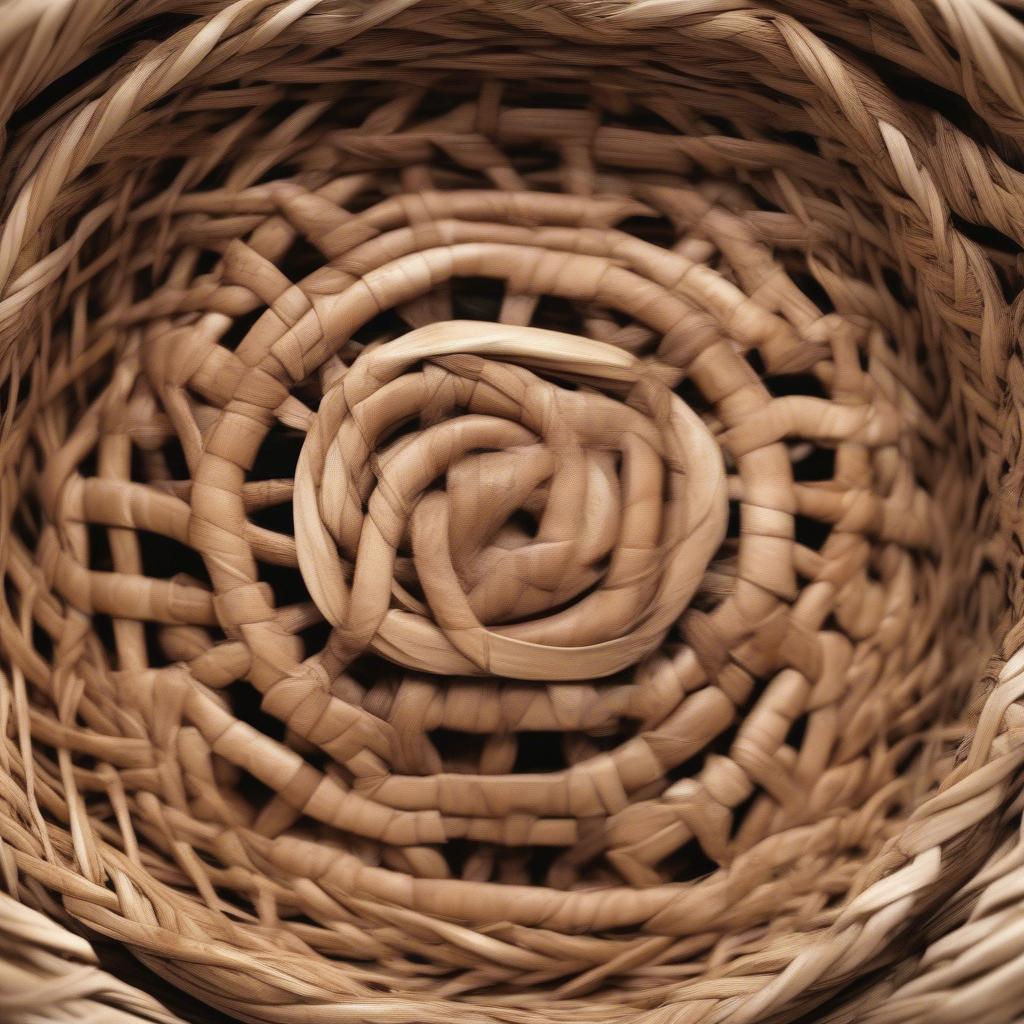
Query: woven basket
(510, 512)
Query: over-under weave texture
(509, 513)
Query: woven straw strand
(511, 512)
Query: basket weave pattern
(499, 541)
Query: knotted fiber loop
(635, 482)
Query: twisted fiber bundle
(50, 975)
(511, 513)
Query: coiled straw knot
(477, 498)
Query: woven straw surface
(510, 512)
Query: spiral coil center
(573, 525)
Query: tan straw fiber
(509, 512)
(50, 976)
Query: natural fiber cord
(49, 976)
(509, 512)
